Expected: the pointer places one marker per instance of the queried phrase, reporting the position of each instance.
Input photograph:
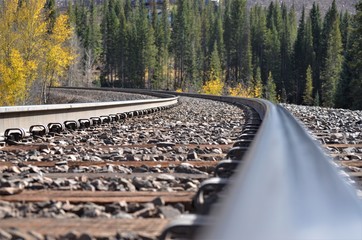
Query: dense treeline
(226, 48)
(312, 60)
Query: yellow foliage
(241, 91)
(61, 31)
(13, 76)
(179, 90)
(28, 53)
(258, 90)
(213, 87)
(59, 55)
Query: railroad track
(157, 172)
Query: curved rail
(20, 119)
(286, 188)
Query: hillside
(324, 4)
(343, 5)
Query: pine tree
(345, 28)
(286, 44)
(122, 43)
(110, 28)
(355, 62)
(343, 92)
(273, 43)
(332, 63)
(308, 90)
(207, 18)
(270, 89)
(257, 84)
(316, 23)
(258, 31)
(186, 44)
(237, 48)
(316, 101)
(215, 64)
(299, 61)
(218, 37)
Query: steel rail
(286, 187)
(23, 117)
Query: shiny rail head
(286, 189)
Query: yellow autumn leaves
(216, 87)
(31, 56)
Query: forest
(223, 48)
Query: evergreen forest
(214, 47)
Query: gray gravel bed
(121, 210)
(147, 138)
(188, 180)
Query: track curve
(275, 178)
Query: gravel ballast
(196, 130)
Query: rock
(36, 235)
(122, 169)
(217, 151)
(130, 157)
(62, 168)
(140, 170)
(87, 186)
(10, 190)
(128, 185)
(98, 184)
(5, 235)
(180, 150)
(166, 177)
(349, 150)
(222, 141)
(141, 183)
(15, 169)
(95, 159)
(70, 236)
(169, 212)
(180, 207)
(187, 168)
(158, 201)
(83, 178)
(92, 210)
(59, 151)
(71, 158)
(85, 236)
(34, 169)
(110, 168)
(190, 185)
(192, 155)
(148, 211)
(67, 207)
(18, 234)
(118, 152)
(5, 211)
(123, 215)
(146, 157)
